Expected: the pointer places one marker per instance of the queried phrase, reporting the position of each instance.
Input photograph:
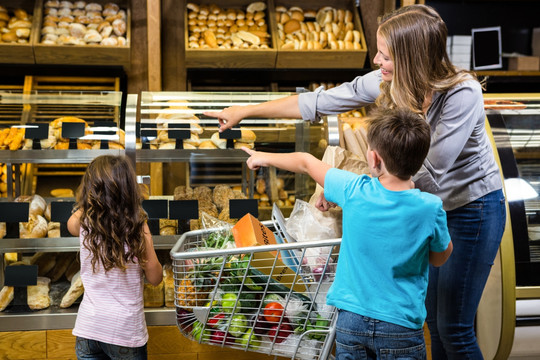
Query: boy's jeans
(360, 337)
(456, 287)
(96, 350)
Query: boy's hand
(227, 118)
(254, 161)
(322, 204)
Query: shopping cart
(268, 299)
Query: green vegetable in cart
(254, 340)
(198, 333)
(238, 325)
(228, 301)
(249, 300)
(271, 298)
(320, 324)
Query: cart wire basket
(269, 299)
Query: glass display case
(514, 121)
(153, 134)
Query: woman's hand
(322, 204)
(228, 117)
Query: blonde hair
(416, 39)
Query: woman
(416, 73)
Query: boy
(391, 232)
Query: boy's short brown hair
(401, 138)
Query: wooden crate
(14, 53)
(82, 54)
(326, 58)
(231, 58)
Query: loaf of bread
(72, 269)
(74, 292)
(53, 229)
(36, 227)
(2, 230)
(221, 195)
(6, 296)
(38, 295)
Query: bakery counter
(198, 155)
(17, 316)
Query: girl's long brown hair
(112, 217)
(416, 39)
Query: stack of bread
(213, 27)
(326, 28)
(56, 141)
(82, 23)
(11, 138)
(15, 26)
(262, 192)
(213, 202)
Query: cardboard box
(249, 231)
(524, 63)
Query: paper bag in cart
(249, 231)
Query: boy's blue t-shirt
(382, 270)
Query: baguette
(38, 295)
(74, 292)
(6, 296)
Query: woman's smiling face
(383, 59)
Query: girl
(116, 249)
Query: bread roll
(207, 144)
(38, 295)
(53, 230)
(2, 230)
(247, 136)
(221, 196)
(239, 145)
(6, 296)
(37, 205)
(74, 292)
(36, 227)
(62, 193)
(183, 193)
(220, 143)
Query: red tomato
(273, 311)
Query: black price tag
(183, 209)
(104, 144)
(183, 133)
(21, 275)
(61, 210)
(240, 207)
(156, 209)
(72, 130)
(14, 211)
(234, 133)
(36, 131)
(148, 130)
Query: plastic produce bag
(307, 223)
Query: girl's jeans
(96, 350)
(455, 288)
(360, 337)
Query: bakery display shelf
(343, 58)
(71, 54)
(14, 52)
(209, 57)
(55, 317)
